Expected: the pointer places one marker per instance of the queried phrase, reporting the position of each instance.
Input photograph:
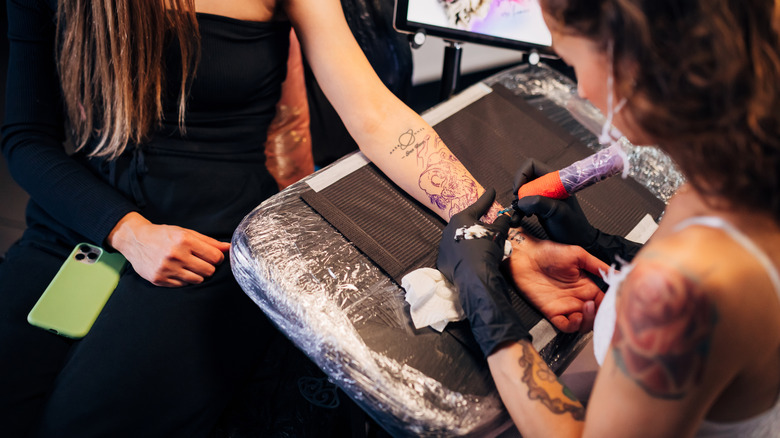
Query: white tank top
(766, 424)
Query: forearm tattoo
(492, 214)
(663, 331)
(538, 378)
(408, 142)
(443, 178)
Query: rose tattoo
(663, 330)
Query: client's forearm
(433, 174)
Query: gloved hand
(469, 256)
(564, 221)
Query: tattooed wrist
(517, 235)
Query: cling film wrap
(320, 290)
(648, 165)
(335, 290)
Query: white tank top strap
(739, 237)
(604, 324)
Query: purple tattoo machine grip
(565, 182)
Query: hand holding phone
(74, 298)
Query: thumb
(517, 216)
(590, 263)
(529, 171)
(536, 205)
(479, 208)
(502, 224)
(523, 175)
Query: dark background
(12, 198)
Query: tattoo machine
(565, 182)
(605, 163)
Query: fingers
(171, 275)
(503, 223)
(599, 298)
(586, 290)
(209, 249)
(199, 267)
(171, 256)
(524, 174)
(569, 305)
(581, 321)
(185, 277)
(479, 208)
(588, 316)
(536, 205)
(179, 278)
(218, 244)
(549, 185)
(589, 262)
(206, 254)
(576, 321)
(169, 282)
(516, 220)
(528, 171)
(569, 324)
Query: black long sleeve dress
(158, 361)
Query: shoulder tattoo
(663, 330)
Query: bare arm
(658, 374)
(389, 133)
(538, 403)
(656, 380)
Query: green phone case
(74, 298)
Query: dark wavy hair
(702, 79)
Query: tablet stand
(450, 73)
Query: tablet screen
(515, 24)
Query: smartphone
(74, 298)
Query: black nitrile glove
(564, 221)
(472, 264)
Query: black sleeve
(33, 130)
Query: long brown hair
(110, 61)
(702, 79)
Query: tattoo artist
(688, 334)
